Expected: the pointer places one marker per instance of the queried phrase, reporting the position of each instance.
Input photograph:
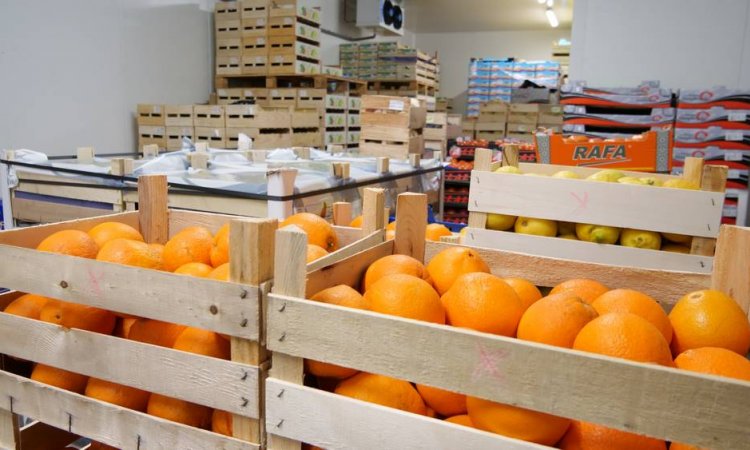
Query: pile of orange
(705, 332)
(433, 232)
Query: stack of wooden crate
(391, 126)
(522, 121)
(259, 37)
(151, 125)
(551, 117)
(436, 133)
(490, 123)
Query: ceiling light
(550, 3)
(552, 18)
(541, 1)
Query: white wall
(456, 49)
(71, 72)
(683, 43)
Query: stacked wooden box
(551, 117)
(436, 133)
(258, 37)
(290, 122)
(490, 123)
(391, 126)
(522, 121)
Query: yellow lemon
(538, 227)
(674, 248)
(508, 169)
(607, 175)
(678, 238)
(681, 183)
(599, 234)
(640, 239)
(566, 174)
(500, 222)
(631, 180)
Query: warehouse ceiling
(446, 16)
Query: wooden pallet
(232, 308)
(692, 213)
(683, 406)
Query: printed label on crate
(396, 105)
(734, 135)
(733, 155)
(737, 116)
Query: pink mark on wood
(94, 282)
(583, 201)
(488, 365)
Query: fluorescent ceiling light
(550, 3)
(552, 18)
(541, 1)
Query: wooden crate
(229, 308)
(293, 26)
(353, 119)
(390, 147)
(226, 11)
(208, 116)
(179, 115)
(392, 112)
(254, 46)
(232, 135)
(290, 64)
(254, 27)
(282, 98)
(699, 409)
(215, 137)
(520, 128)
(305, 118)
(254, 65)
(254, 116)
(435, 128)
(307, 137)
(692, 213)
(272, 138)
(291, 46)
(334, 119)
(310, 98)
(232, 308)
(148, 135)
(228, 29)
(250, 9)
(295, 8)
(229, 47)
(150, 115)
(228, 65)
(175, 135)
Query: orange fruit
(70, 242)
(155, 332)
(319, 232)
(357, 222)
(589, 436)
(315, 252)
(435, 231)
(122, 327)
(202, 342)
(624, 335)
(220, 273)
(678, 446)
(714, 361)
(587, 289)
(192, 244)
(221, 422)
(445, 403)
(393, 264)
(341, 295)
(483, 302)
(638, 303)
(179, 411)
(447, 265)
(27, 305)
(555, 320)
(83, 317)
(130, 253)
(527, 292)
(406, 296)
(195, 269)
(516, 422)
(59, 378)
(709, 318)
(125, 396)
(107, 231)
(220, 246)
(462, 419)
(384, 391)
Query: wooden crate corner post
(712, 179)
(482, 163)
(373, 210)
(342, 214)
(251, 261)
(290, 268)
(153, 214)
(411, 224)
(281, 184)
(730, 264)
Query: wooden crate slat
(7, 430)
(694, 213)
(36, 211)
(31, 236)
(346, 251)
(549, 169)
(199, 379)
(340, 423)
(162, 295)
(103, 422)
(113, 196)
(618, 255)
(554, 380)
(660, 284)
